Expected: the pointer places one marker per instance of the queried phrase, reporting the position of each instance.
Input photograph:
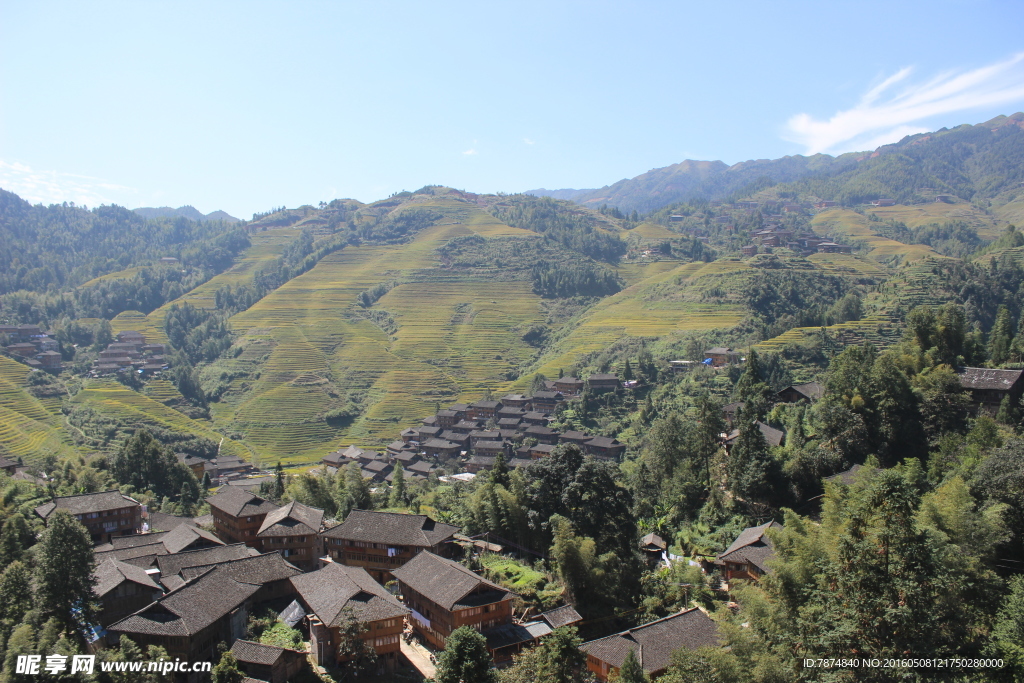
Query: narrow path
(419, 657)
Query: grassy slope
(29, 427)
(859, 228)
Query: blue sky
(244, 106)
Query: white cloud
(470, 152)
(896, 107)
(529, 141)
(54, 187)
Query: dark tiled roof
(772, 435)
(239, 503)
(87, 502)
(191, 608)
(161, 521)
(291, 520)
(603, 442)
(515, 634)
(811, 390)
(574, 436)
(653, 541)
(533, 430)
(140, 556)
(752, 545)
(487, 404)
(184, 535)
(849, 476)
(173, 564)
(603, 378)
(258, 569)
(329, 591)
(393, 528)
(249, 652)
(459, 406)
(448, 583)
(132, 541)
(542, 448)
(440, 443)
(112, 573)
(984, 378)
(561, 616)
(654, 643)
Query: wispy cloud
(897, 107)
(529, 141)
(469, 152)
(54, 187)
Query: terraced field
(449, 335)
(644, 310)
(939, 212)
(859, 228)
(29, 427)
(880, 330)
(136, 410)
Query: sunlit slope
(138, 411)
(436, 336)
(29, 427)
(857, 227)
(655, 304)
(917, 215)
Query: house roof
(654, 643)
(603, 442)
(752, 545)
(258, 569)
(161, 521)
(448, 583)
(603, 377)
(653, 541)
(392, 528)
(847, 477)
(486, 404)
(561, 616)
(87, 502)
(173, 564)
(719, 350)
(184, 535)
(328, 592)
(140, 556)
(508, 635)
(812, 390)
(238, 502)
(112, 573)
(439, 443)
(249, 652)
(291, 520)
(575, 436)
(985, 378)
(191, 608)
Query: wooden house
(603, 382)
(105, 514)
(795, 393)
(293, 531)
(238, 515)
(267, 662)
(988, 387)
(747, 556)
(380, 542)
(122, 589)
(336, 591)
(443, 595)
(652, 644)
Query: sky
(247, 106)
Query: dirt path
(419, 657)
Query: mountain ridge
(187, 211)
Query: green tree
(64, 565)
(1001, 337)
(356, 488)
(128, 651)
(397, 497)
(15, 592)
(465, 658)
(226, 670)
(207, 482)
(627, 371)
(1008, 633)
(631, 671)
(15, 538)
(751, 469)
(557, 659)
(499, 472)
(22, 642)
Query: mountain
(983, 159)
(186, 211)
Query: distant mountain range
(186, 211)
(971, 162)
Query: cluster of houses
(475, 434)
(802, 243)
(130, 352)
(187, 589)
(32, 346)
